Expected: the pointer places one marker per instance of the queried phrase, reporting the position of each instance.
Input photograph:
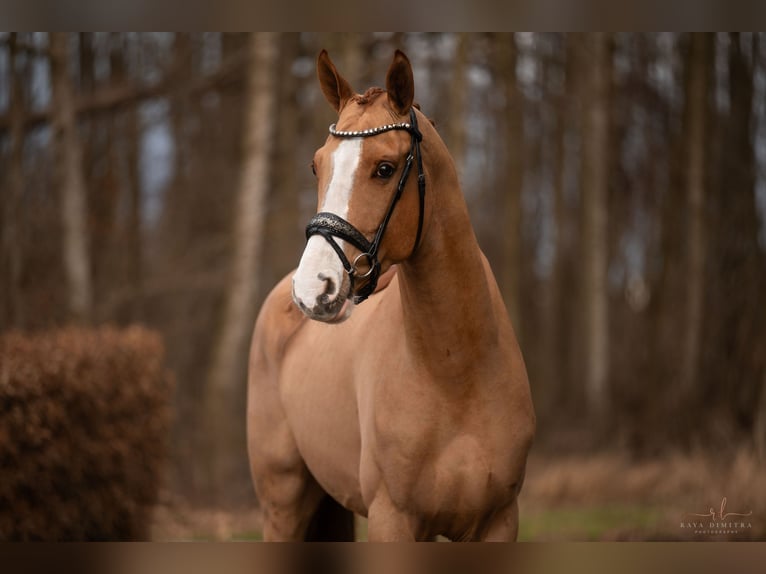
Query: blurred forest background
(617, 184)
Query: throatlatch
(330, 225)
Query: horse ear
(400, 84)
(334, 86)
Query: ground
(583, 497)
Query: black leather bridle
(330, 225)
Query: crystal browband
(371, 131)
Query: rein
(330, 225)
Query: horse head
(370, 210)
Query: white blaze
(345, 160)
(319, 262)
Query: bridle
(330, 225)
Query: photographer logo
(717, 522)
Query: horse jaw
(321, 287)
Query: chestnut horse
(412, 409)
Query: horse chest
(446, 460)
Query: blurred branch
(112, 97)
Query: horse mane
(369, 96)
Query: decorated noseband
(330, 225)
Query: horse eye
(385, 170)
(313, 168)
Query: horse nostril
(330, 286)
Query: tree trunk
(556, 323)
(595, 165)
(13, 314)
(700, 62)
(352, 55)
(229, 360)
(174, 227)
(129, 131)
(457, 114)
(71, 183)
(736, 326)
(666, 276)
(286, 218)
(506, 55)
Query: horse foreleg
(289, 500)
(288, 494)
(386, 523)
(504, 526)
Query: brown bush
(84, 420)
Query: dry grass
(176, 520)
(640, 499)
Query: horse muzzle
(321, 287)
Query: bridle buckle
(371, 261)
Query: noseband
(330, 225)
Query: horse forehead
(345, 157)
(382, 146)
(357, 116)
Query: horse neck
(446, 295)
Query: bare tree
(128, 130)
(229, 359)
(11, 244)
(557, 314)
(506, 54)
(700, 62)
(735, 318)
(456, 136)
(71, 182)
(285, 216)
(353, 59)
(597, 71)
